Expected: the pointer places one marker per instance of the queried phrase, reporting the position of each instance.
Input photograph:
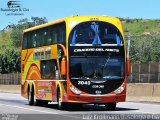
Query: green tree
(10, 39)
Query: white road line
(42, 111)
(27, 108)
(12, 97)
(143, 112)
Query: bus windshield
(95, 33)
(97, 68)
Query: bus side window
(29, 41)
(61, 37)
(49, 37)
(34, 40)
(38, 37)
(44, 37)
(55, 35)
(48, 70)
(25, 40)
(61, 33)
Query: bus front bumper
(84, 98)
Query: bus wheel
(110, 106)
(61, 105)
(31, 97)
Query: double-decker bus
(75, 60)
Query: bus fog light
(120, 89)
(74, 89)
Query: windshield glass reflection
(97, 68)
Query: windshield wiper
(107, 60)
(95, 72)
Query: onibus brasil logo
(14, 8)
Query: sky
(56, 9)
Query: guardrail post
(159, 72)
(131, 74)
(149, 72)
(139, 73)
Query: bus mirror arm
(64, 66)
(128, 67)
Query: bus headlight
(74, 89)
(120, 89)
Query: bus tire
(61, 105)
(31, 96)
(110, 106)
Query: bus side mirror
(128, 67)
(63, 67)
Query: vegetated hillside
(141, 27)
(145, 39)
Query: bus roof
(43, 25)
(72, 18)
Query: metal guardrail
(145, 73)
(10, 79)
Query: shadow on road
(85, 107)
(88, 107)
(125, 109)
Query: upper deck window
(95, 33)
(25, 40)
(55, 34)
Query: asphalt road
(14, 107)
